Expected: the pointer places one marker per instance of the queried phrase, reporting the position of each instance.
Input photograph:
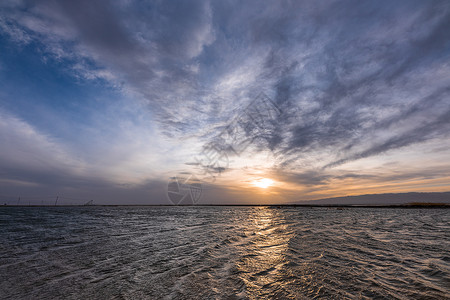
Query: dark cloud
(362, 75)
(307, 178)
(98, 24)
(439, 127)
(149, 49)
(320, 179)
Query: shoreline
(412, 205)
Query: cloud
(365, 85)
(149, 47)
(28, 155)
(353, 80)
(34, 165)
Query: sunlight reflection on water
(223, 253)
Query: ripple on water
(223, 253)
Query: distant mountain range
(383, 199)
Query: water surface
(224, 253)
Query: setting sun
(263, 183)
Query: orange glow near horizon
(263, 183)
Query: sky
(253, 102)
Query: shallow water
(224, 253)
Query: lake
(224, 253)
